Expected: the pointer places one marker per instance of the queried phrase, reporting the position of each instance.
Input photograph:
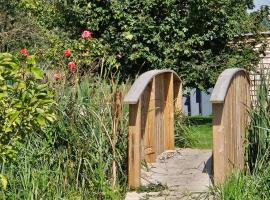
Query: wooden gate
(151, 100)
(230, 100)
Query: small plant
(152, 188)
(184, 137)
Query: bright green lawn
(204, 136)
(201, 126)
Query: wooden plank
(177, 87)
(229, 125)
(148, 120)
(220, 90)
(141, 83)
(159, 118)
(134, 147)
(218, 143)
(168, 111)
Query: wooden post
(230, 99)
(168, 111)
(177, 87)
(134, 147)
(218, 143)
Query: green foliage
(190, 37)
(254, 183)
(258, 134)
(17, 28)
(242, 186)
(184, 135)
(74, 158)
(25, 103)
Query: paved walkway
(183, 174)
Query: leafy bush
(190, 37)
(25, 104)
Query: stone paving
(183, 173)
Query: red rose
(57, 76)
(86, 34)
(72, 66)
(23, 51)
(67, 53)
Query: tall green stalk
(258, 134)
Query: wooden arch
(230, 101)
(151, 102)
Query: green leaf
(41, 120)
(3, 181)
(37, 72)
(127, 35)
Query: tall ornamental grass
(80, 156)
(258, 134)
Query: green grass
(193, 132)
(80, 156)
(203, 135)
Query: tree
(188, 36)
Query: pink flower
(87, 34)
(57, 76)
(72, 66)
(67, 53)
(23, 51)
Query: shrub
(25, 103)
(190, 37)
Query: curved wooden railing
(230, 100)
(151, 100)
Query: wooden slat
(218, 142)
(159, 118)
(134, 151)
(177, 87)
(168, 111)
(141, 83)
(222, 85)
(148, 121)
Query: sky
(259, 3)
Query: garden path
(177, 174)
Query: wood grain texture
(159, 114)
(168, 111)
(230, 119)
(134, 147)
(151, 118)
(177, 88)
(222, 85)
(148, 121)
(141, 83)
